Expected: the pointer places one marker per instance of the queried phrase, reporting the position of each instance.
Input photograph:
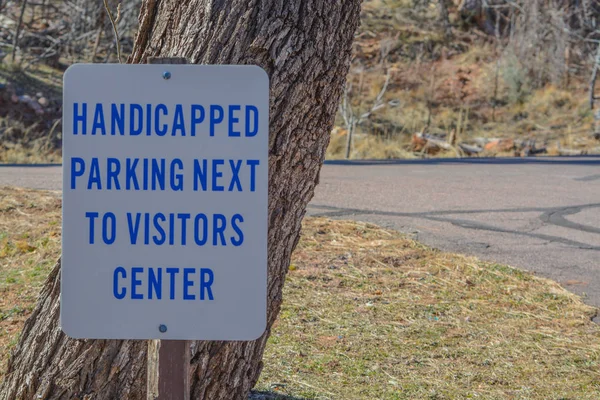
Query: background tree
(305, 47)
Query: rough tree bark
(305, 46)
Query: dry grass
(24, 143)
(441, 86)
(366, 147)
(29, 246)
(369, 314)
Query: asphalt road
(539, 214)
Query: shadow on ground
(36, 79)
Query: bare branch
(594, 78)
(378, 104)
(114, 21)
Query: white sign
(165, 178)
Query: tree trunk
(305, 47)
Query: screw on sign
(165, 209)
